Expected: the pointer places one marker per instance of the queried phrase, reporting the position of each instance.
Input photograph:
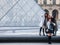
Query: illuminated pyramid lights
(23, 13)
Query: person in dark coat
(54, 26)
(44, 27)
(45, 23)
(50, 30)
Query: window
(54, 2)
(57, 2)
(40, 2)
(49, 2)
(45, 2)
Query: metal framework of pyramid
(20, 13)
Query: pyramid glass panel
(20, 13)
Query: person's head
(46, 14)
(49, 19)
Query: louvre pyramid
(20, 13)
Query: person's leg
(40, 31)
(49, 38)
(53, 31)
(43, 31)
(56, 30)
(46, 32)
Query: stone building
(51, 6)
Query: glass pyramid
(20, 13)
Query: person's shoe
(49, 42)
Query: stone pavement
(29, 44)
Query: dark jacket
(54, 21)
